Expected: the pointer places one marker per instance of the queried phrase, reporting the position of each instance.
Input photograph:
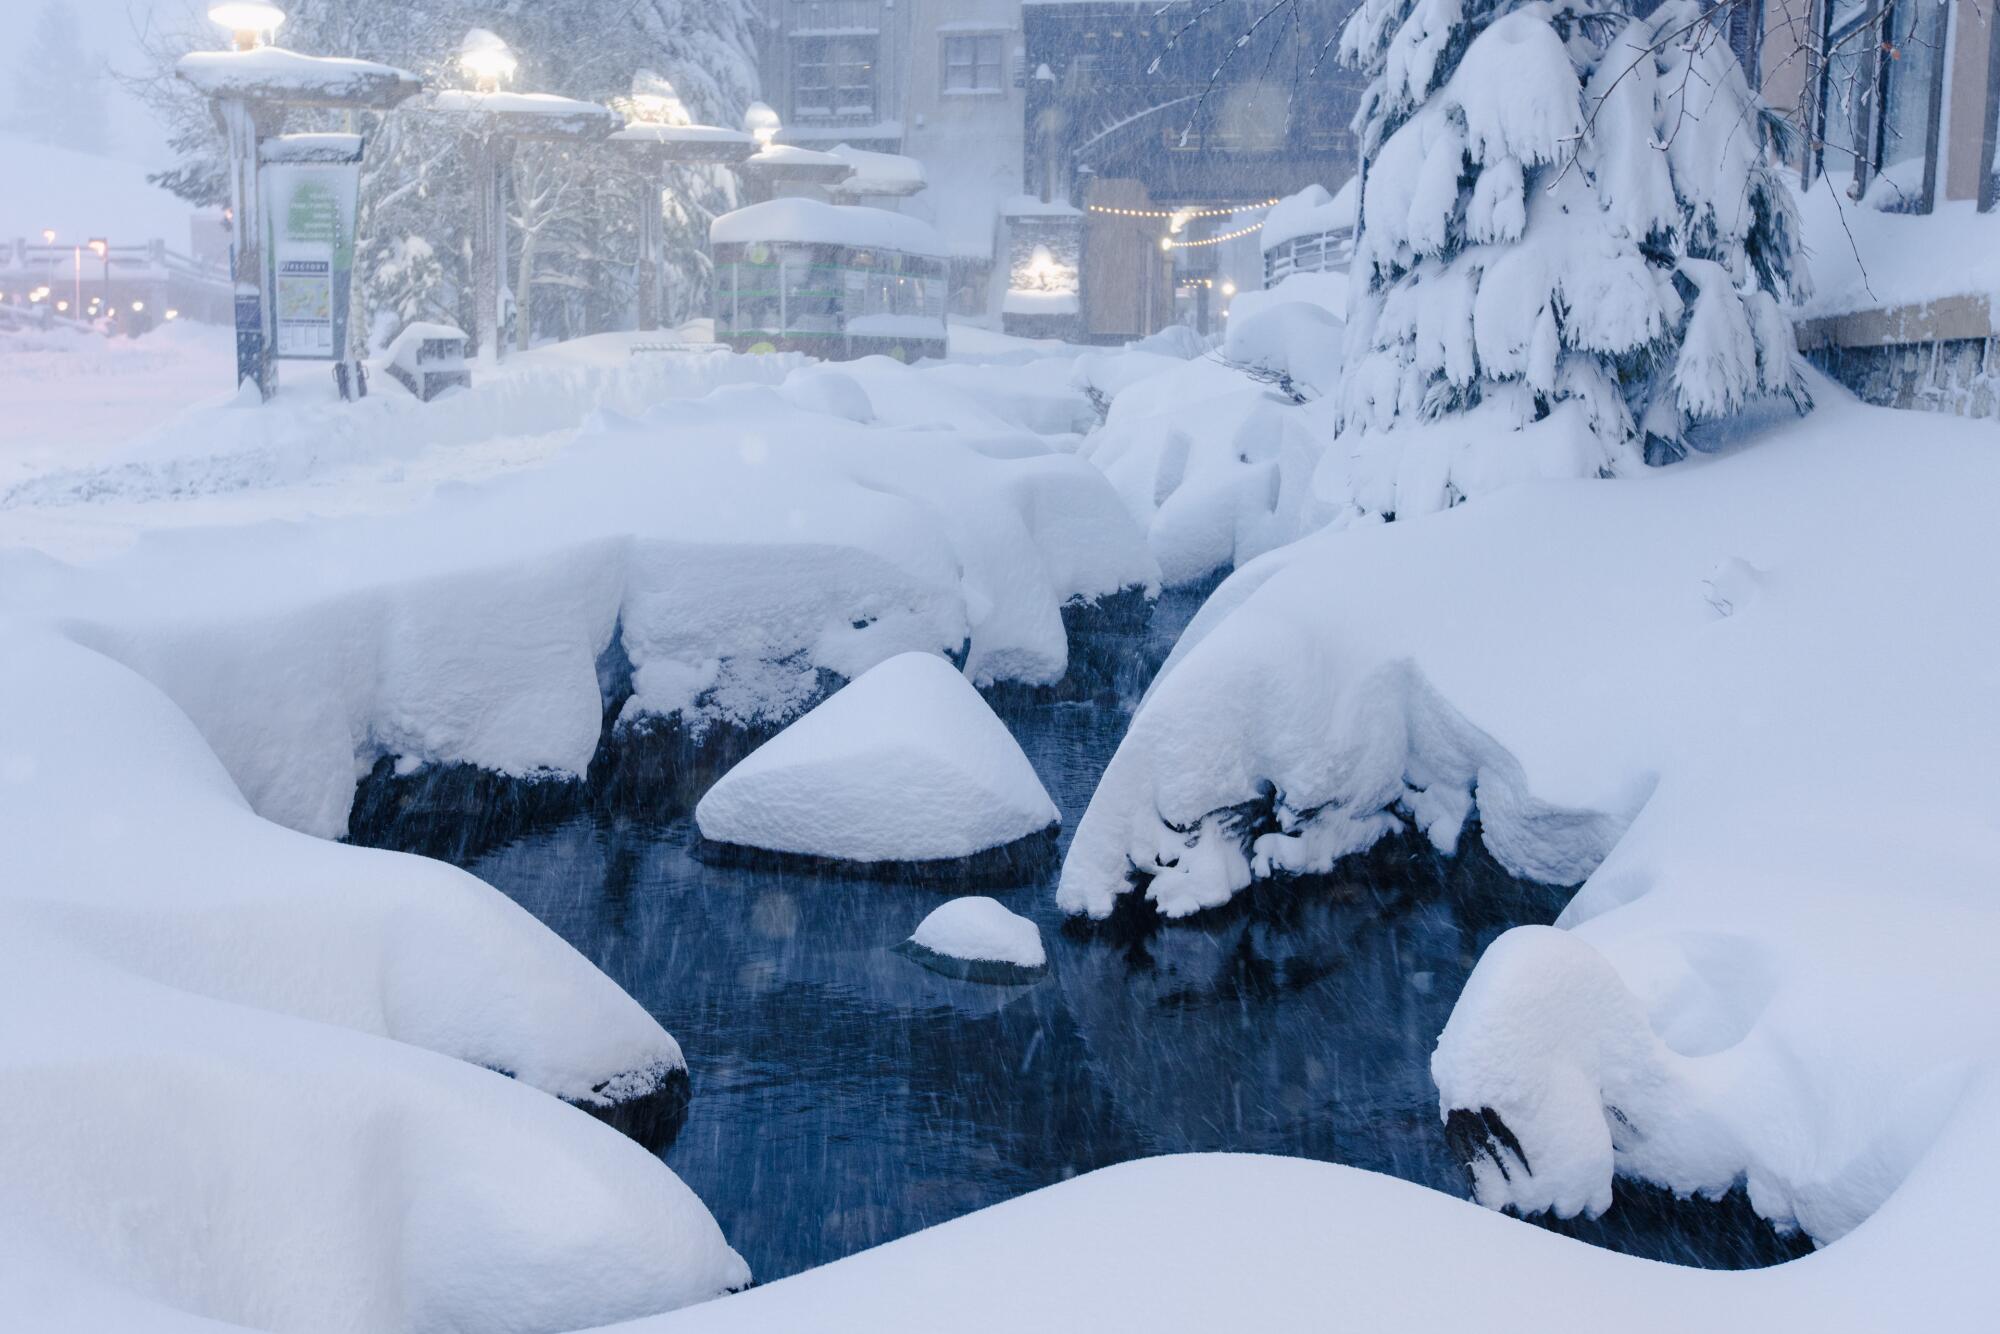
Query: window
(1880, 90)
(833, 76)
(972, 63)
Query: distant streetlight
(48, 236)
(249, 21)
(762, 122)
(1228, 288)
(62, 305)
(173, 314)
(487, 58)
(138, 307)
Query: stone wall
(1955, 375)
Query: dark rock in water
(653, 1118)
(992, 971)
(1021, 861)
(456, 811)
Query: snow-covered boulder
(978, 939)
(905, 765)
(1775, 971)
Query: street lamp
(762, 122)
(249, 21)
(48, 236)
(488, 59)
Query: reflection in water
(845, 1095)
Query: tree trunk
(521, 291)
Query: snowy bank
(235, 1051)
(735, 549)
(906, 764)
(1200, 1242)
(1734, 720)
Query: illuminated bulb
(248, 21)
(487, 58)
(173, 314)
(1228, 288)
(48, 236)
(138, 306)
(762, 122)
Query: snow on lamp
(486, 57)
(248, 21)
(762, 123)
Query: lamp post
(496, 119)
(248, 22)
(663, 135)
(102, 249)
(490, 63)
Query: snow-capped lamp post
(776, 168)
(291, 257)
(1548, 283)
(662, 135)
(496, 120)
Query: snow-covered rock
(1774, 972)
(977, 938)
(905, 764)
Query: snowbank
(905, 764)
(1768, 749)
(1214, 464)
(1200, 1242)
(736, 547)
(228, 1079)
(981, 929)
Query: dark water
(844, 1095)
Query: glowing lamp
(487, 59)
(762, 122)
(248, 21)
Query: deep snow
(1748, 703)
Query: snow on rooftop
(1309, 212)
(881, 174)
(809, 221)
(905, 764)
(584, 115)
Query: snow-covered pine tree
(1572, 248)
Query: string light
(1168, 243)
(1180, 212)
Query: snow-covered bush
(1572, 248)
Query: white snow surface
(1311, 211)
(905, 763)
(981, 929)
(1190, 1243)
(238, 1079)
(1216, 466)
(1747, 702)
(809, 221)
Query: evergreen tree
(58, 87)
(1572, 249)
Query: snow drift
(1747, 705)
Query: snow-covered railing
(1308, 254)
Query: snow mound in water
(905, 764)
(981, 929)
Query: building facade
(1083, 156)
(1894, 104)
